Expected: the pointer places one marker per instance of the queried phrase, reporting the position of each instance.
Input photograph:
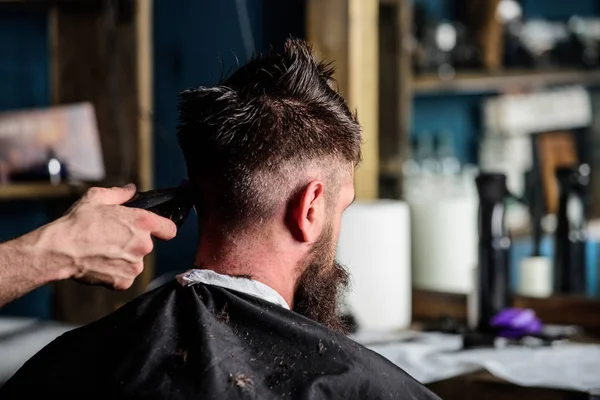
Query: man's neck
(263, 262)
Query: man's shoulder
(372, 370)
(207, 339)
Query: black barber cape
(207, 342)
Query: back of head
(249, 141)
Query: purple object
(515, 322)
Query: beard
(321, 283)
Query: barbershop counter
(563, 370)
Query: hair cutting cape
(207, 342)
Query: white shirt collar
(244, 285)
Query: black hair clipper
(173, 203)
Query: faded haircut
(248, 141)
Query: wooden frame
(395, 91)
(346, 33)
(145, 94)
(117, 78)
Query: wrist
(40, 250)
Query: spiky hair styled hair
(248, 140)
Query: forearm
(97, 242)
(25, 265)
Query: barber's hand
(101, 242)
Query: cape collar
(244, 285)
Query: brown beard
(321, 283)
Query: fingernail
(129, 186)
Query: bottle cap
(491, 186)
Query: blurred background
(444, 89)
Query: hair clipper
(173, 203)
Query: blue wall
(24, 82)
(190, 35)
(561, 9)
(456, 114)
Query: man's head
(272, 151)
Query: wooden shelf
(556, 309)
(38, 191)
(46, 2)
(50, 4)
(482, 82)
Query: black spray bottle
(492, 278)
(570, 237)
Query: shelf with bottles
(430, 164)
(38, 178)
(48, 3)
(497, 45)
(53, 5)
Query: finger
(137, 269)
(162, 228)
(94, 279)
(106, 281)
(143, 247)
(122, 284)
(110, 196)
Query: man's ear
(307, 213)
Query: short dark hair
(247, 140)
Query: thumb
(111, 196)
